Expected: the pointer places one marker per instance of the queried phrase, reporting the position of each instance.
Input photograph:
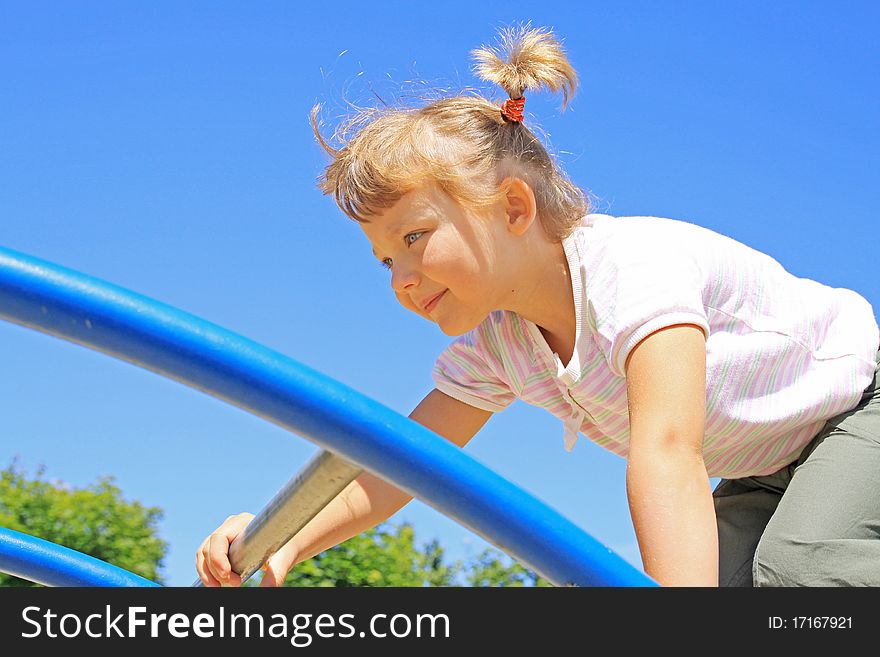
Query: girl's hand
(212, 557)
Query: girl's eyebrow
(395, 229)
(414, 214)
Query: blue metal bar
(40, 561)
(104, 317)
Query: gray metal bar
(300, 500)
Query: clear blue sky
(165, 147)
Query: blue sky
(165, 147)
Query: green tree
(98, 521)
(493, 568)
(95, 520)
(386, 555)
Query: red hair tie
(512, 109)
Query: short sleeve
(467, 370)
(646, 278)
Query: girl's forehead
(426, 202)
(423, 207)
(428, 198)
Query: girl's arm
(669, 493)
(363, 504)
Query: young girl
(681, 350)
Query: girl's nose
(403, 277)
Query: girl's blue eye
(415, 236)
(408, 240)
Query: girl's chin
(456, 328)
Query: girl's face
(444, 259)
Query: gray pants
(814, 522)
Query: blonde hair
(462, 143)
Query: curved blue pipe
(40, 561)
(107, 318)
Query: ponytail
(526, 59)
(465, 144)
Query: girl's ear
(519, 205)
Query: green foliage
(492, 568)
(383, 556)
(388, 556)
(95, 520)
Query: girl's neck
(543, 296)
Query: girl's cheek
(407, 303)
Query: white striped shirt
(783, 354)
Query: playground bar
(309, 491)
(49, 564)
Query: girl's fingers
(278, 565)
(217, 549)
(217, 557)
(204, 574)
(275, 570)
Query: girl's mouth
(433, 302)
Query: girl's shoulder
(646, 236)
(625, 223)
(611, 234)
